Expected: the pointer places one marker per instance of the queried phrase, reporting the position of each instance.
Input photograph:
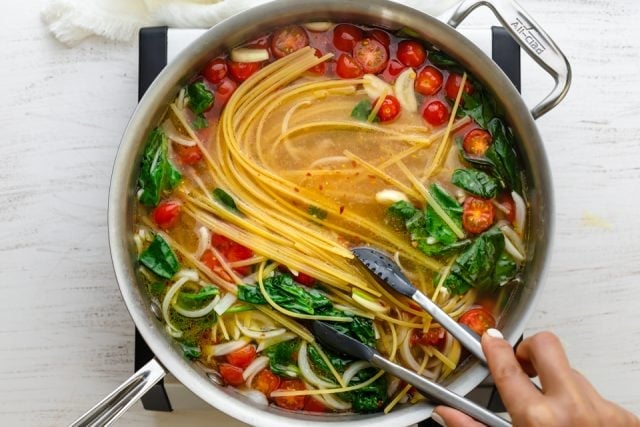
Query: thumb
(450, 417)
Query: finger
(514, 385)
(544, 352)
(450, 417)
(585, 386)
(525, 364)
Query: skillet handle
(531, 37)
(109, 409)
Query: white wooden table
(65, 336)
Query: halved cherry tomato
(478, 319)
(436, 113)
(506, 201)
(371, 55)
(215, 70)
(319, 69)
(266, 381)
(347, 67)
(188, 155)
(236, 253)
(452, 86)
(435, 337)
(166, 214)
(411, 53)
(389, 110)
(212, 262)
(232, 375)
(394, 68)
(381, 36)
(314, 405)
(477, 142)
(241, 71)
(221, 243)
(477, 214)
(225, 90)
(295, 403)
(429, 81)
(243, 357)
(346, 36)
(304, 279)
(287, 40)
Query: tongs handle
(439, 393)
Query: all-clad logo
(526, 34)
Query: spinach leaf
(505, 270)
(479, 105)
(239, 308)
(475, 182)
(476, 264)
(159, 258)
(370, 398)
(200, 98)
(191, 351)
(319, 302)
(223, 197)
(402, 210)
(406, 32)
(339, 362)
(442, 60)
(157, 174)
(200, 122)
(436, 227)
(503, 156)
(362, 110)
(283, 358)
(456, 285)
(192, 300)
(251, 294)
(441, 249)
(317, 212)
(360, 328)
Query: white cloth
(72, 21)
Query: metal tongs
(336, 341)
(389, 274)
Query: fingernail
(494, 333)
(437, 418)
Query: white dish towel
(72, 21)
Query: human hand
(567, 399)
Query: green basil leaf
(503, 156)
(475, 182)
(200, 98)
(223, 197)
(476, 264)
(157, 174)
(362, 110)
(505, 270)
(200, 122)
(160, 259)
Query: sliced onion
(376, 332)
(352, 310)
(245, 54)
(227, 301)
(405, 351)
(353, 369)
(388, 197)
(166, 304)
(204, 241)
(275, 340)
(318, 27)
(189, 274)
(521, 212)
(392, 387)
(227, 347)
(261, 334)
(513, 243)
(368, 302)
(375, 86)
(172, 133)
(258, 364)
(255, 396)
(307, 372)
(405, 92)
(333, 402)
(199, 312)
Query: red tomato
(243, 357)
(320, 68)
(188, 155)
(221, 243)
(166, 214)
(435, 337)
(214, 265)
(389, 110)
(314, 405)
(436, 113)
(371, 55)
(452, 86)
(236, 253)
(295, 403)
(506, 201)
(266, 381)
(232, 375)
(287, 40)
(241, 71)
(477, 142)
(346, 36)
(411, 53)
(478, 319)
(215, 70)
(304, 279)
(394, 68)
(347, 67)
(477, 214)
(225, 90)
(381, 36)
(429, 81)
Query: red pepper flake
(353, 163)
(341, 209)
(320, 187)
(372, 176)
(308, 173)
